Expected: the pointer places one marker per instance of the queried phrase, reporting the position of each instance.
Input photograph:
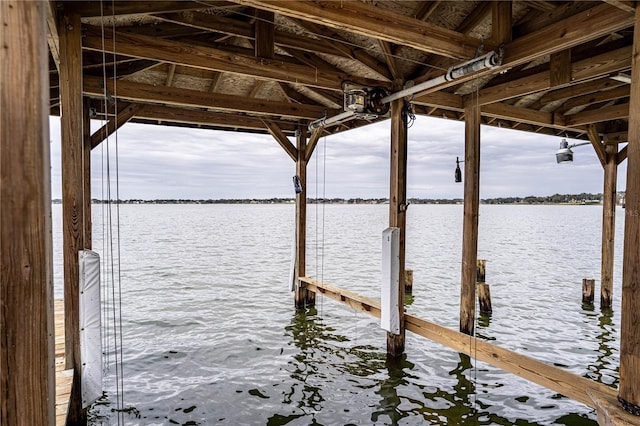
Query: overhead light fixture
(564, 153)
(458, 173)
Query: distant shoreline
(556, 199)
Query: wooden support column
(629, 388)
(398, 208)
(86, 175)
(470, 219)
(73, 154)
(608, 224)
(303, 297)
(27, 359)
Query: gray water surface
(210, 334)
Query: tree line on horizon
(531, 199)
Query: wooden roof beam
(605, 63)
(339, 44)
(171, 114)
(594, 98)
(598, 115)
(385, 47)
(264, 34)
(282, 139)
(591, 24)
(426, 9)
(627, 6)
(216, 60)
(370, 21)
(93, 9)
(580, 89)
(139, 92)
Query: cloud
(165, 162)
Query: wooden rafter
(367, 20)
(95, 9)
(598, 115)
(216, 60)
(389, 57)
(579, 89)
(594, 98)
(282, 139)
(627, 6)
(427, 8)
(613, 61)
(139, 92)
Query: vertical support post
(484, 291)
(72, 153)
(27, 364)
(397, 208)
(470, 219)
(629, 389)
(588, 287)
(303, 297)
(86, 175)
(608, 224)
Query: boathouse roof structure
(267, 66)
(299, 70)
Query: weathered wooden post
(26, 283)
(470, 219)
(397, 208)
(629, 388)
(73, 203)
(408, 281)
(608, 224)
(303, 297)
(588, 290)
(484, 292)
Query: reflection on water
(601, 368)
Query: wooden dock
(64, 378)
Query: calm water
(210, 334)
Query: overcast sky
(160, 162)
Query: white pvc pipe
(331, 120)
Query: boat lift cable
(486, 61)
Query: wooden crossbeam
(580, 89)
(123, 116)
(139, 92)
(543, 374)
(182, 53)
(622, 155)
(88, 9)
(605, 63)
(598, 115)
(370, 21)
(282, 139)
(594, 98)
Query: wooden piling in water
(397, 208)
(588, 290)
(408, 281)
(470, 216)
(484, 292)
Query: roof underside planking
(252, 65)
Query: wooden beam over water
(541, 373)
